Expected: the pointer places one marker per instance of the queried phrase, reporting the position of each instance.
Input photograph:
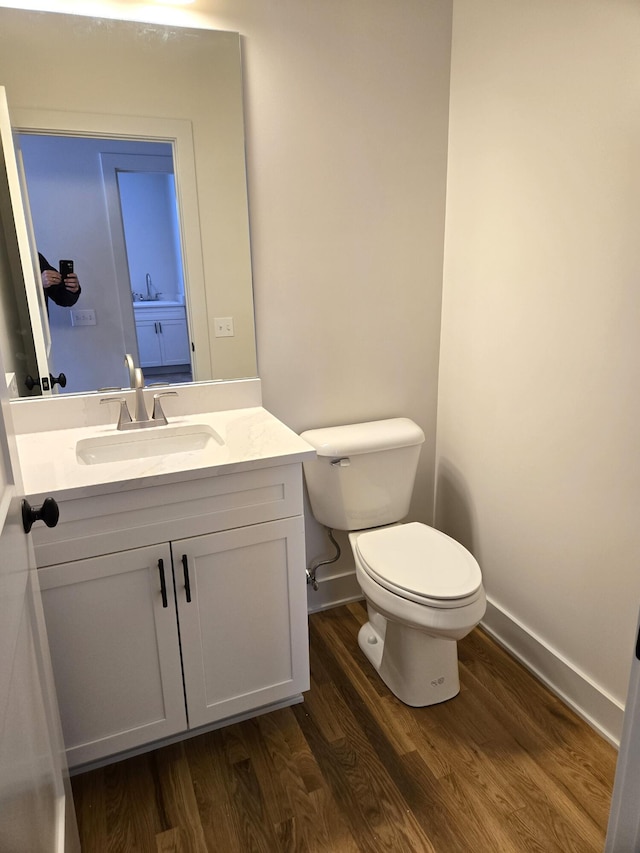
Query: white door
(623, 835)
(35, 804)
(23, 237)
(145, 239)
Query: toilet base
(419, 669)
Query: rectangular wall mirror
(132, 163)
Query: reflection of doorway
(148, 208)
(142, 208)
(71, 220)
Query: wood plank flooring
(502, 767)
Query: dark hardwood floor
(504, 766)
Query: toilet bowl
(423, 589)
(423, 592)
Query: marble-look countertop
(253, 438)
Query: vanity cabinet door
(115, 651)
(174, 342)
(148, 343)
(163, 339)
(244, 630)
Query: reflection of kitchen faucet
(152, 293)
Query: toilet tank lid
(352, 439)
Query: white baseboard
(575, 688)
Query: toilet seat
(421, 564)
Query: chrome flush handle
(343, 462)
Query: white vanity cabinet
(163, 339)
(133, 665)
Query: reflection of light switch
(224, 327)
(83, 317)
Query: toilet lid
(419, 560)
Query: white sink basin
(144, 443)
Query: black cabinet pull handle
(48, 512)
(163, 584)
(187, 585)
(60, 380)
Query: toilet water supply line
(315, 565)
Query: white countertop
(156, 303)
(253, 438)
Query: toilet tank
(363, 474)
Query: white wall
(537, 454)
(347, 106)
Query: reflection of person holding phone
(62, 287)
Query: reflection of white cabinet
(132, 664)
(163, 339)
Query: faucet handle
(125, 415)
(158, 414)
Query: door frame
(624, 819)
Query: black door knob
(48, 512)
(60, 380)
(31, 383)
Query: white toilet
(423, 589)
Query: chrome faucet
(141, 419)
(128, 360)
(137, 384)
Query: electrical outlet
(223, 327)
(83, 317)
